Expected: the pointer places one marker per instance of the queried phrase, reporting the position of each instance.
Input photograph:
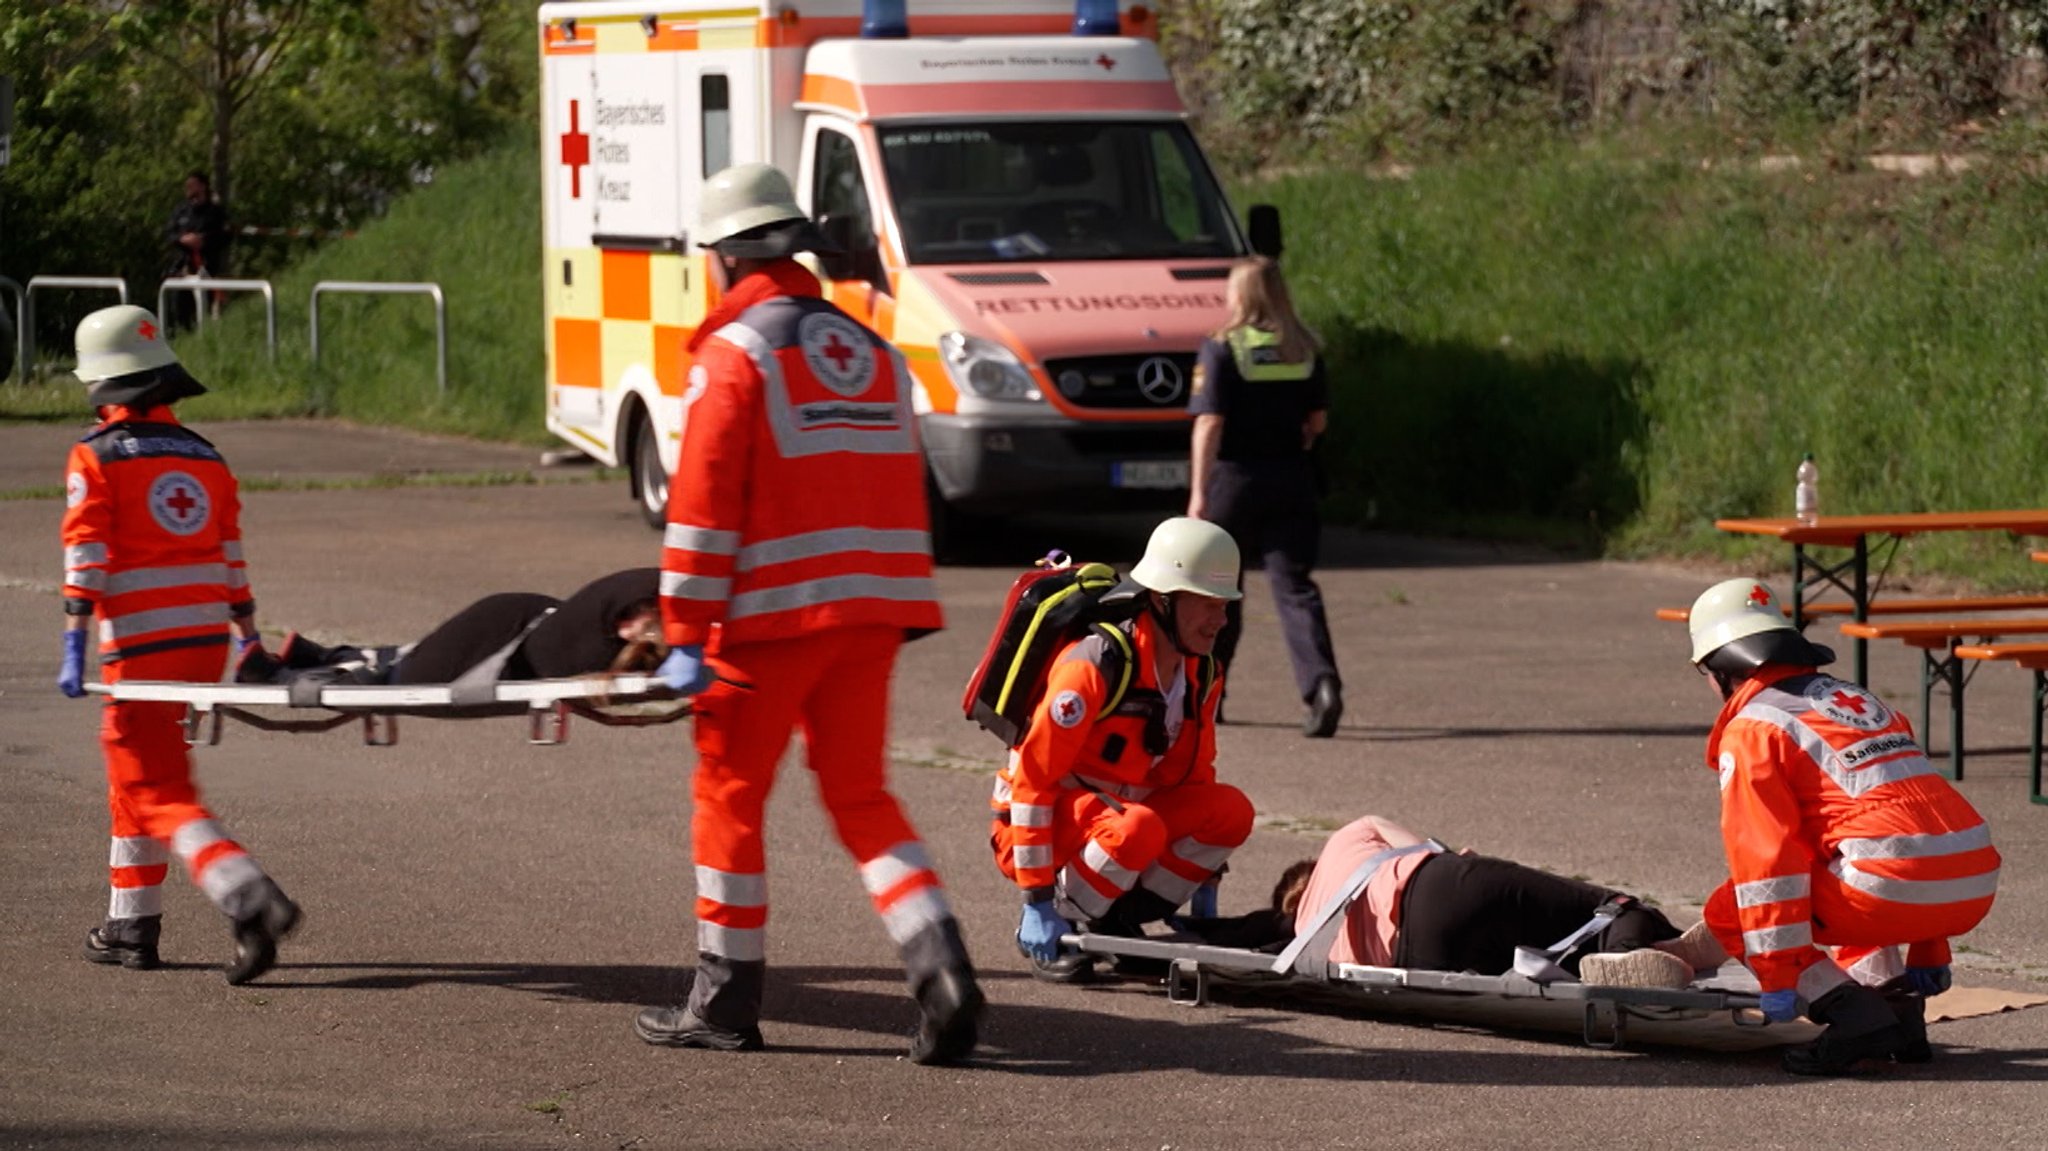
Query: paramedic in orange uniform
(796, 562)
(1839, 835)
(153, 549)
(1118, 819)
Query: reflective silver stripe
(196, 836)
(1819, 979)
(230, 875)
(916, 912)
(1206, 856)
(128, 626)
(1777, 938)
(681, 585)
(833, 541)
(1099, 862)
(238, 578)
(887, 428)
(831, 589)
(91, 579)
(1076, 898)
(746, 944)
(231, 550)
(1031, 855)
(1175, 889)
(707, 541)
(1854, 781)
(135, 902)
(1879, 967)
(1917, 846)
(894, 866)
(156, 579)
(1030, 815)
(732, 888)
(1777, 889)
(82, 555)
(1001, 795)
(136, 851)
(1921, 892)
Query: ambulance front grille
(1146, 383)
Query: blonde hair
(1258, 298)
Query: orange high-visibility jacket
(798, 502)
(1819, 777)
(1071, 744)
(152, 535)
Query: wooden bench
(2033, 657)
(1900, 606)
(1938, 641)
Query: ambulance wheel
(954, 533)
(650, 479)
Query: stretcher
(1604, 1012)
(621, 701)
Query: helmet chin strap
(1162, 609)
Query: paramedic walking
(797, 560)
(153, 551)
(1109, 809)
(1260, 401)
(1839, 835)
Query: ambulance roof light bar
(883, 20)
(1096, 18)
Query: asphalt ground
(484, 917)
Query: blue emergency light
(883, 20)
(1096, 18)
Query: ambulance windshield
(1054, 190)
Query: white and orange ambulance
(1027, 216)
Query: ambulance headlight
(986, 369)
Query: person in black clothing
(610, 624)
(1260, 400)
(197, 242)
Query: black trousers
(1269, 508)
(1470, 912)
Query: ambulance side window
(714, 99)
(837, 189)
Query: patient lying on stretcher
(612, 624)
(1452, 911)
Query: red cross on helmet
(124, 358)
(1737, 627)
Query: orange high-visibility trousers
(1169, 843)
(1860, 929)
(155, 806)
(834, 687)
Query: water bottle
(1806, 494)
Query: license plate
(1149, 474)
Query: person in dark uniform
(1260, 400)
(610, 624)
(195, 244)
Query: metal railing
(27, 334)
(391, 289)
(20, 348)
(200, 285)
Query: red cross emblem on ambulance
(179, 504)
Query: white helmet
(1738, 626)
(747, 198)
(124, 355)
(1189, 555)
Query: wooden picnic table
(1851, 576)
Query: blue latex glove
(244, 643)
(1929, 980)
(1780, 1006)
(71, 677)
(1038, 934)
(1203, 905)
(684, 671)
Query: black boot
(724, 1011)
(1860, 1025)
(1126, 919)
(258, 932)
(1909, 1007)
(950, 1004)
(680, 1027)
(128, 942)
(1325, 708)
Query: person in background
(1839, 834)
(196, 244)
(1260, 401)
(796, 562)
(153, 551)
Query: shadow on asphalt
(1236, 1036)
(1378, 733)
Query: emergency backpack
(1049, 607)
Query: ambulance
(1024, 210)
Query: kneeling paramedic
(797, 559)
(153, 548)
(1839, 833)
(1112, 814)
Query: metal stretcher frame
(547, 702)
(1606, 1010)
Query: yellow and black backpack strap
(1115, 666)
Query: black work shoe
(951, 1005)
(257, 936)
(1860, 1025)
(128, 942)
(1911, 1012)
(258, 666)
(1325, 708)
(680, 1027)
(1070, 967)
